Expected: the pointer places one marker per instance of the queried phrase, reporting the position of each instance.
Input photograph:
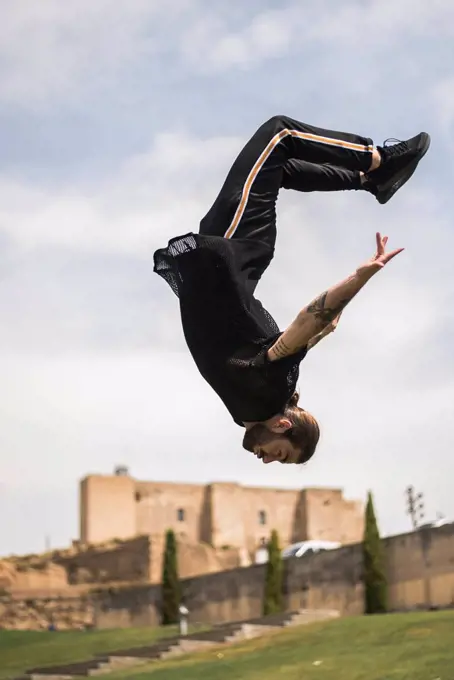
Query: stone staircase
(222, 634)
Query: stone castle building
(219, 514)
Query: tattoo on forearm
(280, 349)
(325, 314)
(315, 340)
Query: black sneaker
(399, 162)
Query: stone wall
(328, 580)
(195, 559)
(20, 575)
(421, 567)
(38, 613)
(139, 560)
(129, 560)
(420, 575)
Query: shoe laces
(394, 146)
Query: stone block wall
(420, 569)
(38, 613)
(128, 560)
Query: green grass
(393, 647)
(20, 650)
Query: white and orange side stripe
(307, 136)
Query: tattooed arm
(322, 311)
(330, 328)
(316, 317)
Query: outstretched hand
(380, 258)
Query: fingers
(381, 243)
(393, 253)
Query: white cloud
(50, 50)
(53, 52)
(356, 27)
(380, 22)
(443, 99)
(140, 206)
(210, 45)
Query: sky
(118, 124)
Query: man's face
(269, 446)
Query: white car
(308, 547)
(439, 522)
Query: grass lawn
(417, 646)
(20, 650)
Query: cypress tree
(273, 600)
(375, 585)
(171, 591)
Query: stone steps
(39, 676)
(306, 616)
(171, 647)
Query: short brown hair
(305, 431)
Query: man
(236, 344)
